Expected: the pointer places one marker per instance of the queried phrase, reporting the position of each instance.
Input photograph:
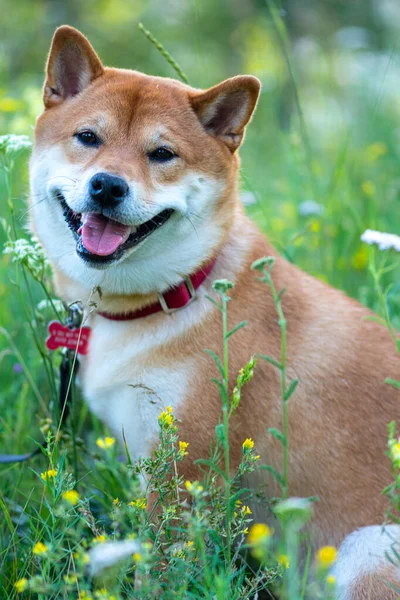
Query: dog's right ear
(71, 66)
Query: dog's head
(133, 178)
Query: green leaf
(291, 389)
(217, 361)
(393, 382)
(274, 472)
(128, 456)
(217, 304)
(220, 433)
(236, 328)
(211, 465)
(237, 495)
(279, 296)
(221, 388)
(278, 435)
(375, 319)
(270, 360)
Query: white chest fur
(120, 386)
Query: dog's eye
(161, 155)
(87, 138)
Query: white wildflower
(384, 241)
(12, 144)
(28, 253)
(54, 303)
(309, 208)
(110, 554)
(248, 198)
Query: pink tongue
(102, 236)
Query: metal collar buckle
(192, 294)
(74, 315)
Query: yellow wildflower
(245, 530)
(193, 487)
(331, 580)
(326, 556)
(84, 596)
(166, 418)
(189, 544)
(116, 501)
(71, 496)
(360, 259)
(277, 224)
(374, 151)
(259, 533)
(258, 538)
(99, 539)
(395, 452)
(137, 557)
(183, 448)
(50, 474)
(102, 594)
(82, 557)
(248, 444)
(140, 503)
(70, 579)
(21, 585)
(257, 457)
(10, 105)
(39, 548)
(315, 226)
(369, 188)
(283, 560)
(106, 442)
(246, 510)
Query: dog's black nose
(108, 190)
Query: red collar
(173, 299)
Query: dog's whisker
(30, 208)
(63, 176)
(192, 224)
(196, 215)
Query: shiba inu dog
(137, 178)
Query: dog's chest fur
(126, 389)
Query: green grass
(351, 171)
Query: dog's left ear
(225, 109)
(71, 66)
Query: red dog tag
(64, 337)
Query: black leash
(68, 370)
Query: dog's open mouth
(102, 240)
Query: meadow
(320, 166)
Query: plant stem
(225, 300)
(285, 417)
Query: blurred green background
(320, 163)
